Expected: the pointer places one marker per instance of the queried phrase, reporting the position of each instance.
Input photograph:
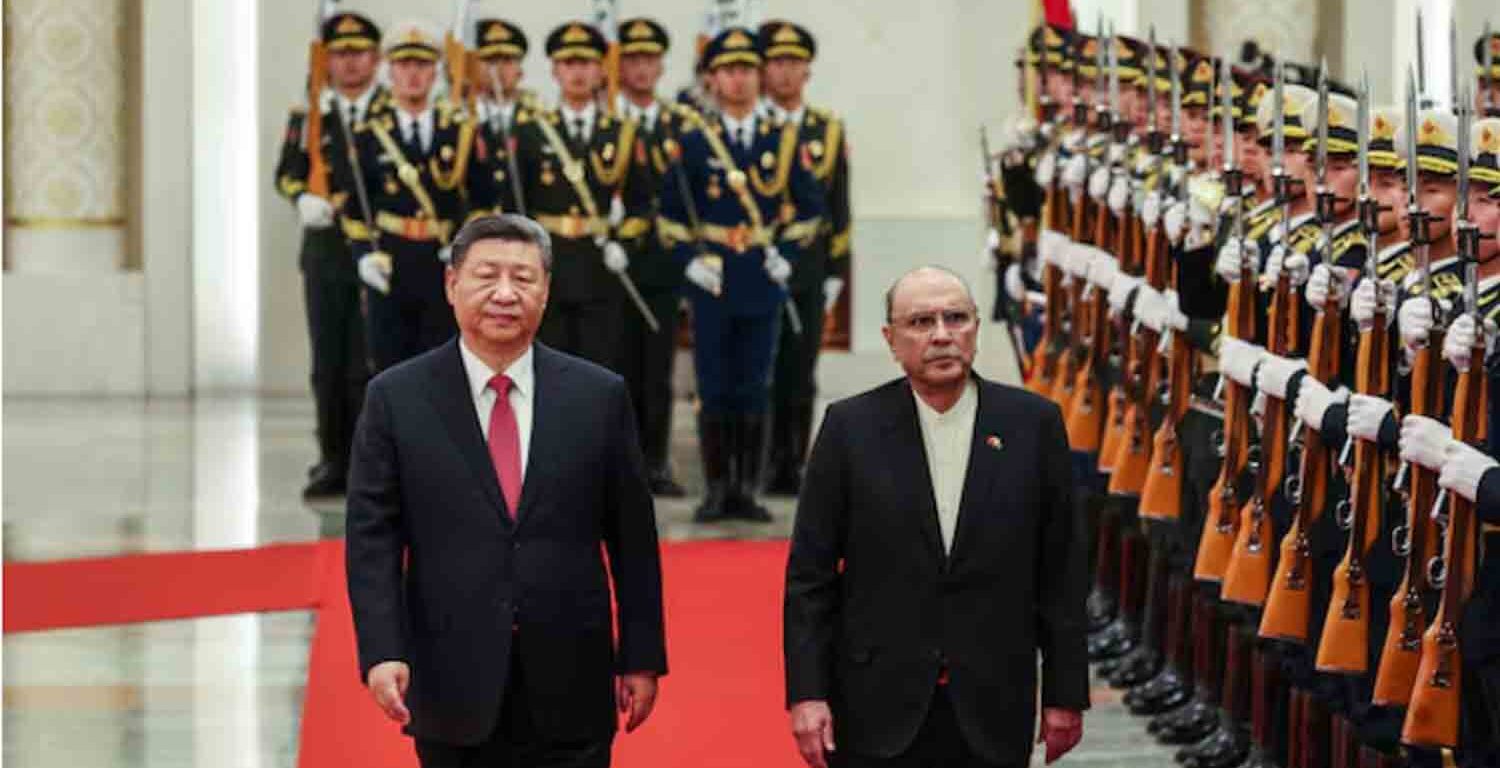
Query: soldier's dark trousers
(336, 336)
(645, 360)
(732, 356)
(588, 329)
(794, 385)
(415, 316)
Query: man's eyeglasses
(927, 322)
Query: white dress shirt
(360, 104)
(423, 124)
(497, 115)
(794, 117)
(572, 117)
(741, 132)
(646, 115)
(948, 438)
(522, 394)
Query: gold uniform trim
(611, 175)
(784, 156)
(633, 227)
(831, 138)
(354, 229)
(415, 228)
(801, 231)
(671, 232)
(460, 164)
(738, 238)
(839, 247)
(573, 226)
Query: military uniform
(646, 357)
(335, 327)
(749, 192)
(491, 185)
(413, 167)
(820, 273)
(573, 166)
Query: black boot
(662, 483)
(750, 438)
(712, 444)
(780, 479)
(328, 483)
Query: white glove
(705, 275)
(1015, 287)
(1275, 374)
(1296, 265)
(1119, 291)
(1237, 359)
(1363, 301)
(1462, 337)
(1424, 440)
(1232, 256)
(1099, 182)
(1415, 320)
(616, 211)
(445, 254)
(1463, 467)
(1328, 280)
(1076, 260)
(1366, 413)
(832, 288)
(615, 259)
(1151, 209)
(777, 266)
(1119, 193)
(1075, 170)
(1149, 308)
(1174, 220)
(314, 211)
(1174, 317)
(375, 271)
(1313, 401)
(1046, 170)
(1050, 247)
(991, 241)
(1116, 154)
(1102, 270)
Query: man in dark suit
(936, 552)
(486, 475)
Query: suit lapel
(985, 461)
(907, 449)
(546, 413)
(455, 406)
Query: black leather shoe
(1112, 642)
(662, 484)
(1100, 608)
(1224, 748)
(1190, 724)
(1165, 681)
(785, 480)
(713, 509)
(1171, 694)
(327, 485)
(1136, 668)
(1259, 759)
(320, 468)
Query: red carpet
(721, 706)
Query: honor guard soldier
(752, 208)
(413, 160)
(493, 185)
(822, 269)
(577, 181)
(330, 217)
(647, 355)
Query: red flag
(1057, 13)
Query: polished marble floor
(92, 478)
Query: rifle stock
(1287, 608)
(1221, 528)
(1132, 459)
(1247, 580)
(1161, 498)
(1401, 652)
(1432, 718)
(317, 80)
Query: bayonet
(1114, 77)
(1324, 196)
(1421, 57)
(1101, 87)
(1154, 137)
(1226, 113)
(1416, 217)
(1485, 76)
(1468, 232)
(1179, 148)
(1453, 59)
(1369, 207)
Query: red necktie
(505, 443)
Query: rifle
(1161, 498)
(1247, 579)
(1416, 539)
(994, 214)
(1132, 459)
(317, 82)
(606, 18)
(457, 59)
(1432, 719)
(1085, 423)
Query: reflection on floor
(118, 477)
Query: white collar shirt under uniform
(498, 115)
(522, 394)
(353, 111)
(646, 115)
(421, 122)
(948, 438)
(741, 132)
(580, 120)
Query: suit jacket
(875, 609)
(440, 577)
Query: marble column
(66, 136)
